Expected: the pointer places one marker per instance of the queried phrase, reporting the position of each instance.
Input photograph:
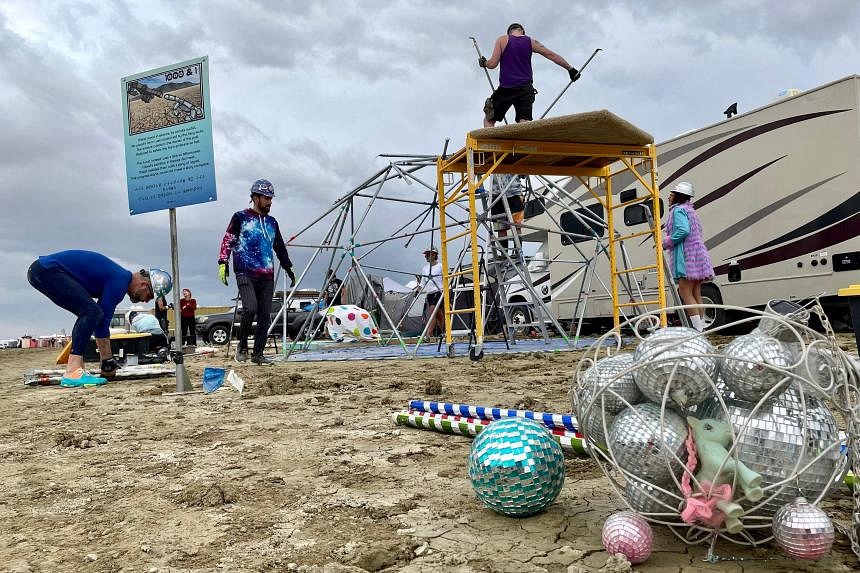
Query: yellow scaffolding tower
(554, 156)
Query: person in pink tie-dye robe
(691, 264)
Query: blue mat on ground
(429, 350)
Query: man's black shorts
(522, 98)
(432, 299)
(515, 203)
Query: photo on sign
(165, 99)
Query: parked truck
(778, 193)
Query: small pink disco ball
(802, 530)
(628, 533)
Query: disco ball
(516, 468)
(593, 429)
(605, 375)
(605, 381)
(821, 365)
(802, 530)
(675, 356)
(749, 362)
(646, 447)
(627, 533)
(645, 498)
(778, 440)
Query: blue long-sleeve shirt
(680, 230)
(103, 279)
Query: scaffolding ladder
(616, 244)
(510, 271)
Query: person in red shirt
(187, 307)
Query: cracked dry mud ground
(304, 472)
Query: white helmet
(684, 188)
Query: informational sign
(169, 159)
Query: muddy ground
(304, 472)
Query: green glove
(292, 276)
(223, 272)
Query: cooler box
(121, 344)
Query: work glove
(482, 61)
(109, 368)
(292, 276)
(223, 272)
(574, 74)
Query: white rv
(778, 192)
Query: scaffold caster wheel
(450, 351)
(475, 357)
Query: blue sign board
(169, 158)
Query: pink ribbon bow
(701, 507)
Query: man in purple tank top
(513, 52)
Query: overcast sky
(309, 93)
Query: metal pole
(183, 384)
(570, 83)
(489, 80)
(477, 49)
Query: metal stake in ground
(570, 82)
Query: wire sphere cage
(720, 437)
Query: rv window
(635, 214)
(534, 207)
(587, 226)
(627, 195)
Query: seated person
(145, 322)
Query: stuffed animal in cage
(713, 504)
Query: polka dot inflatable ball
(347, 322)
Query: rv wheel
(714, 317)
(520, 315)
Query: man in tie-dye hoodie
(254, 238)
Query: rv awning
(583, 144)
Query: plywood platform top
(601, 126)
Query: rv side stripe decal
(740, 138)
(732, 185)
(849, 207)
(621, 181)
(846, 229)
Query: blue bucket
(213, 378)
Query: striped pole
(51, 377)
(468, 426)
(566, 421)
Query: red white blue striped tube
(566, 421)
(454, 424)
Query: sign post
(169, 157)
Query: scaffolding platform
(596, 145)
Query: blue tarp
(432, 350)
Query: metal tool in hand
(570, 82)
(486, 73)
(477, 49)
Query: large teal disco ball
(516, 468)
